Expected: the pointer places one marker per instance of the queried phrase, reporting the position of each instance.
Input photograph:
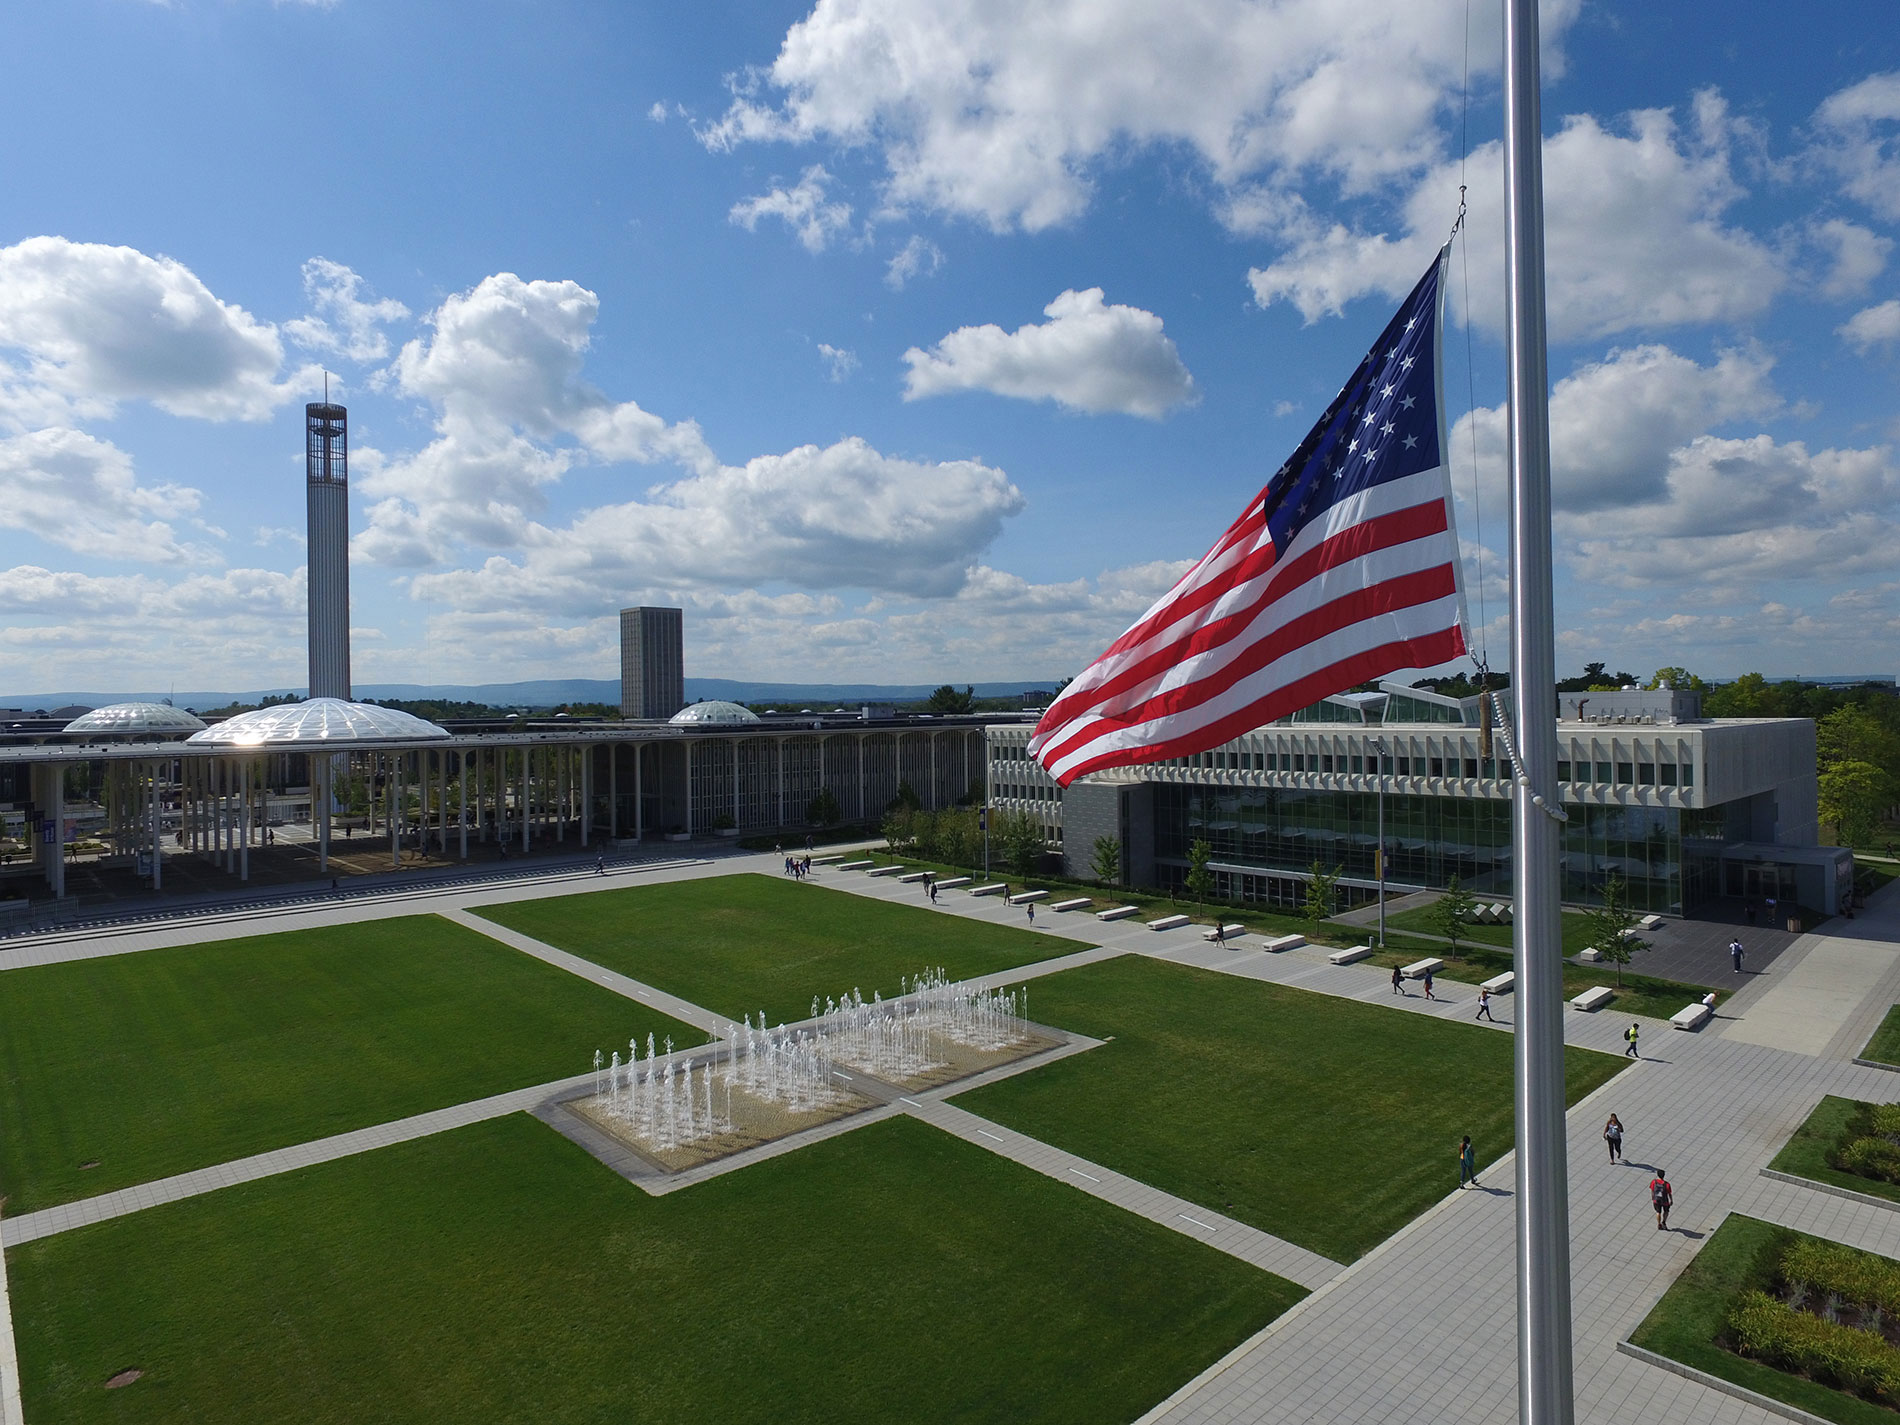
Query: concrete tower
(652, 662)
(327, 490)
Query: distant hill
(545, 693)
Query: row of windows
(1637, 774)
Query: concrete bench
(1079, 903)
(1503, 984)
(1168, 922)
(856, 865)
(1285, 942)
(1346, 957)
(1505, 914)
(911, 878)
(995, 888)
(1028, 897)
(1120, 912)
(1418, 968)
(1593, 998)
(1590, 953)
(1692, 1016)
(827, 860)
(1485, 915)
(1225, 932)
(950, 883)
(885, 871)
(1649, 922)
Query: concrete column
(158, 832)
(686, 746)
(587, 791)
(781, 780)
(527, 793)
(735, 784)
(899, 747)
(613, 791)
(322, 795)
(244, 814)
(393, 785)
(639, 804)
(463, 755)
(58, 799)
(935, 792)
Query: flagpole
(1545, 1390)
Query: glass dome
(318, 720)
(137, 720)
(712, 714)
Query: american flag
(1345, 568)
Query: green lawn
(740, 944)
(1830, 1126)
(1424, 921)
(1884, 1047)
(1638, 994)
(1324, 1121)
(161, 1061)
(1686, 1323)
(499, 1274)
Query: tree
(948, 700)
(1747, 696)
(823, 810)
(1853, 796)
(1107, 861)
(1020, 835)
(1200, 878)
(1456, 909)
(1680, 679)
(1610, 926)
(898, 828)
(906, 798)
(1320, 889)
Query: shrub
(1861, 1278)
(1875, 1158)
(1853, 1360)
(1885, 1120)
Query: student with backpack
(1613, 1135)
(1467, 1163)
(1629, 1037)
(1661, 1197)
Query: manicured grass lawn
(1884, 1047)
(1829, 1127)
(499, 1274)
(1324, 1121)
(161, 1061)
(740, 944)
(1638, 994)
(1423, 921)
(1684, 1325)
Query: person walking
(1735, 954)
(1398, 981)
(600, 865)
(1484, 1004)
(1032, 912)
(1629, 1038)
(1428, 986)
(1662, 1197)
(1467, 1163)
(1613, 1135)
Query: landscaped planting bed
(1847, 1143)
(1813, 1323)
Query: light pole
(1378, 746)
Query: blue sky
(907, 342)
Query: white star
(1407, 402)
(1407, 363)
(1410, 323)
(1385, 390)
(1353, 444)
(1370, 418)
(1369, 455)
(1386, 429)
(1410, 441)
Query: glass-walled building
(1683, 810)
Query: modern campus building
(1684, 809)
(652, 662)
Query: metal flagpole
(1544, 1386)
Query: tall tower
(327, 491)
(652, 662)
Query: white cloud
(1856, 254)
(1872, 326)
(502, 370)
(1614, 423)
(76, 491)
(1004, 113)
(839, 361)
(98, 325)
(344, 321)
(658, 112)
(919, 256)
(1858, 132)
(1634, 235)
(842, 516)
(803, 208)
(1089, 356)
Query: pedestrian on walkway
(1467, 1163)
(600, 865)
(1662, 1197)
(1613, 1135)
(1484, 1004)
(1428, 986)
(1735, 954)
(1398, 981)
(1032, 912)
(1629, 1037)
